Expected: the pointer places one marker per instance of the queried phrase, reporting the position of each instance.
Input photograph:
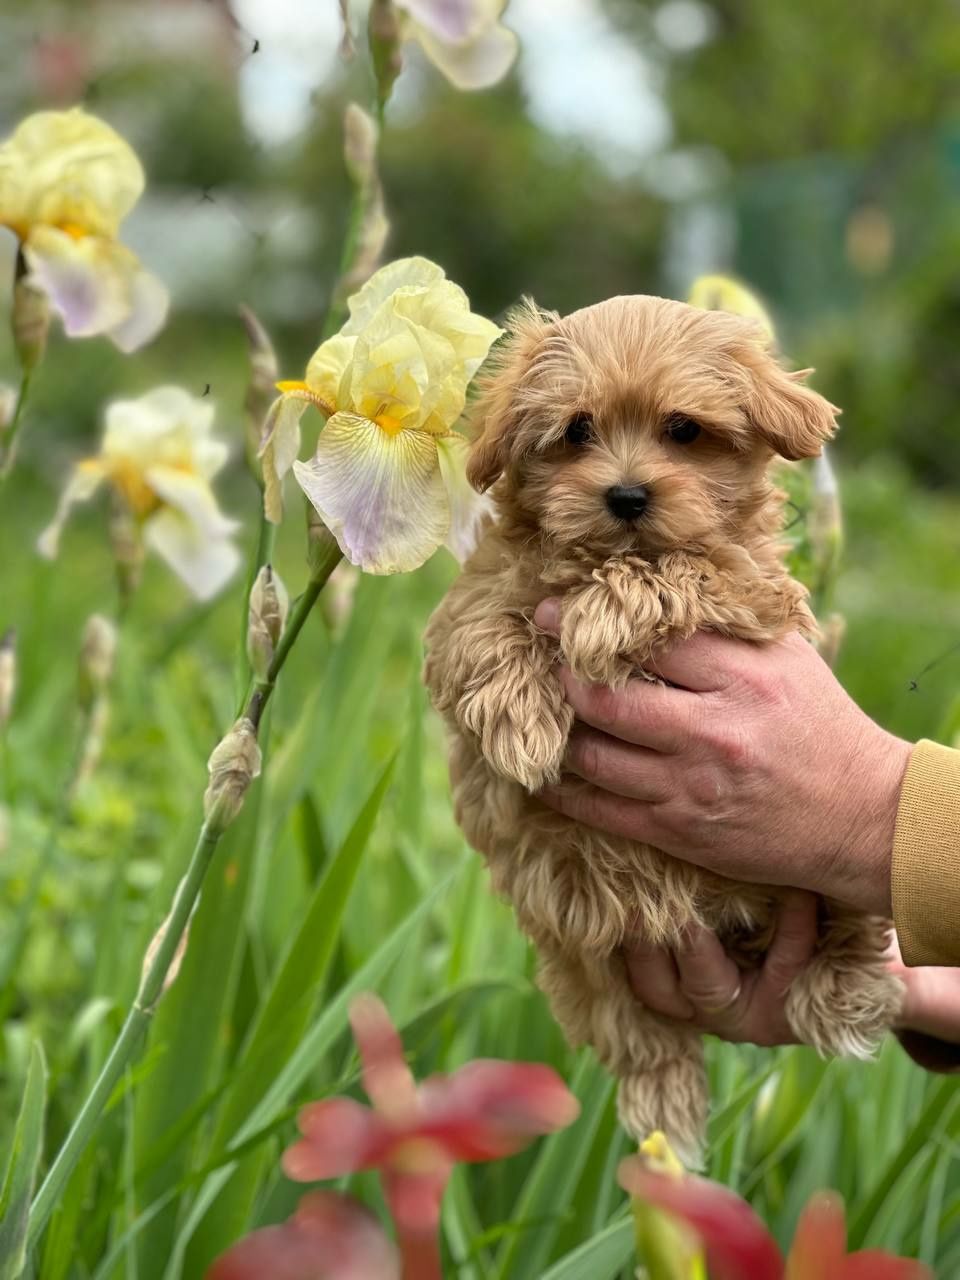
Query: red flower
(738, 1245)
(330, 1237)
(415, 1134)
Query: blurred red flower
(330, 1237)
(415, 1134)
(739, 1247)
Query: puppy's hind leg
(659, 1064)
(846, 998)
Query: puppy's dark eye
(683, 430)
(579, 429)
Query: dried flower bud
(31, 322)
(8, 406)
(323, 552)
(261, 388)
(153, 947)
(8, 675)
(269, 604)
(233, 765)
(347, 48)
(98, 649)
(91, 748)
(383, 32)
(360, 139)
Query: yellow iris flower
(464, 40)
(158, 457)
(388, 477)
(722, 293)
(67, 180)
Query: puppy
(627, 449)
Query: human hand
(755, 764)
(699, 984)
(931, 1004)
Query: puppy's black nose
(627, 501)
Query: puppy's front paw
(522, 732)
(595, 637)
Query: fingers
(708, 977)
(932, 1002)
(792, 948)
(650, 715)
(704, 663)
(655, 982)
(603, 810)
(635, 772)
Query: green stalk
(157, 970)
(337, 312)
(9, 437)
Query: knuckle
(604, 705)
(586, 756)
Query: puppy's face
(639, 425)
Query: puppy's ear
(792, 418)
(496, 412)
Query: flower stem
(158, 967)
(131, 1033)
(9, 437)
(324, 564)
(337, 311)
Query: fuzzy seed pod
(383, 30)
(261, 388)
(8, 675)
(269, 605)
(8, 406)
(360, 140)
(154, 946)
(98, 650)
(31, 323)
(322, 546)
(232, 766)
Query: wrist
(872, 787)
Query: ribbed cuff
(925, 874)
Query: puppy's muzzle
(627, 501)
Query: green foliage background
(799, 118)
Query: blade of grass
(316, 1042)
(281, 1019)
(598, 1259)
(22, 1164)
(552, 1182)
(943, 1103)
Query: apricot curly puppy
(628, 448)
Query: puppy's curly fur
(693, 406)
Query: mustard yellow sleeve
(925, 876)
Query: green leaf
(192, 1022)
(599, 1259)
(280, 1023)
(21, 1172)
(324, 1032)
(934, 1118)
(548, 1192)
